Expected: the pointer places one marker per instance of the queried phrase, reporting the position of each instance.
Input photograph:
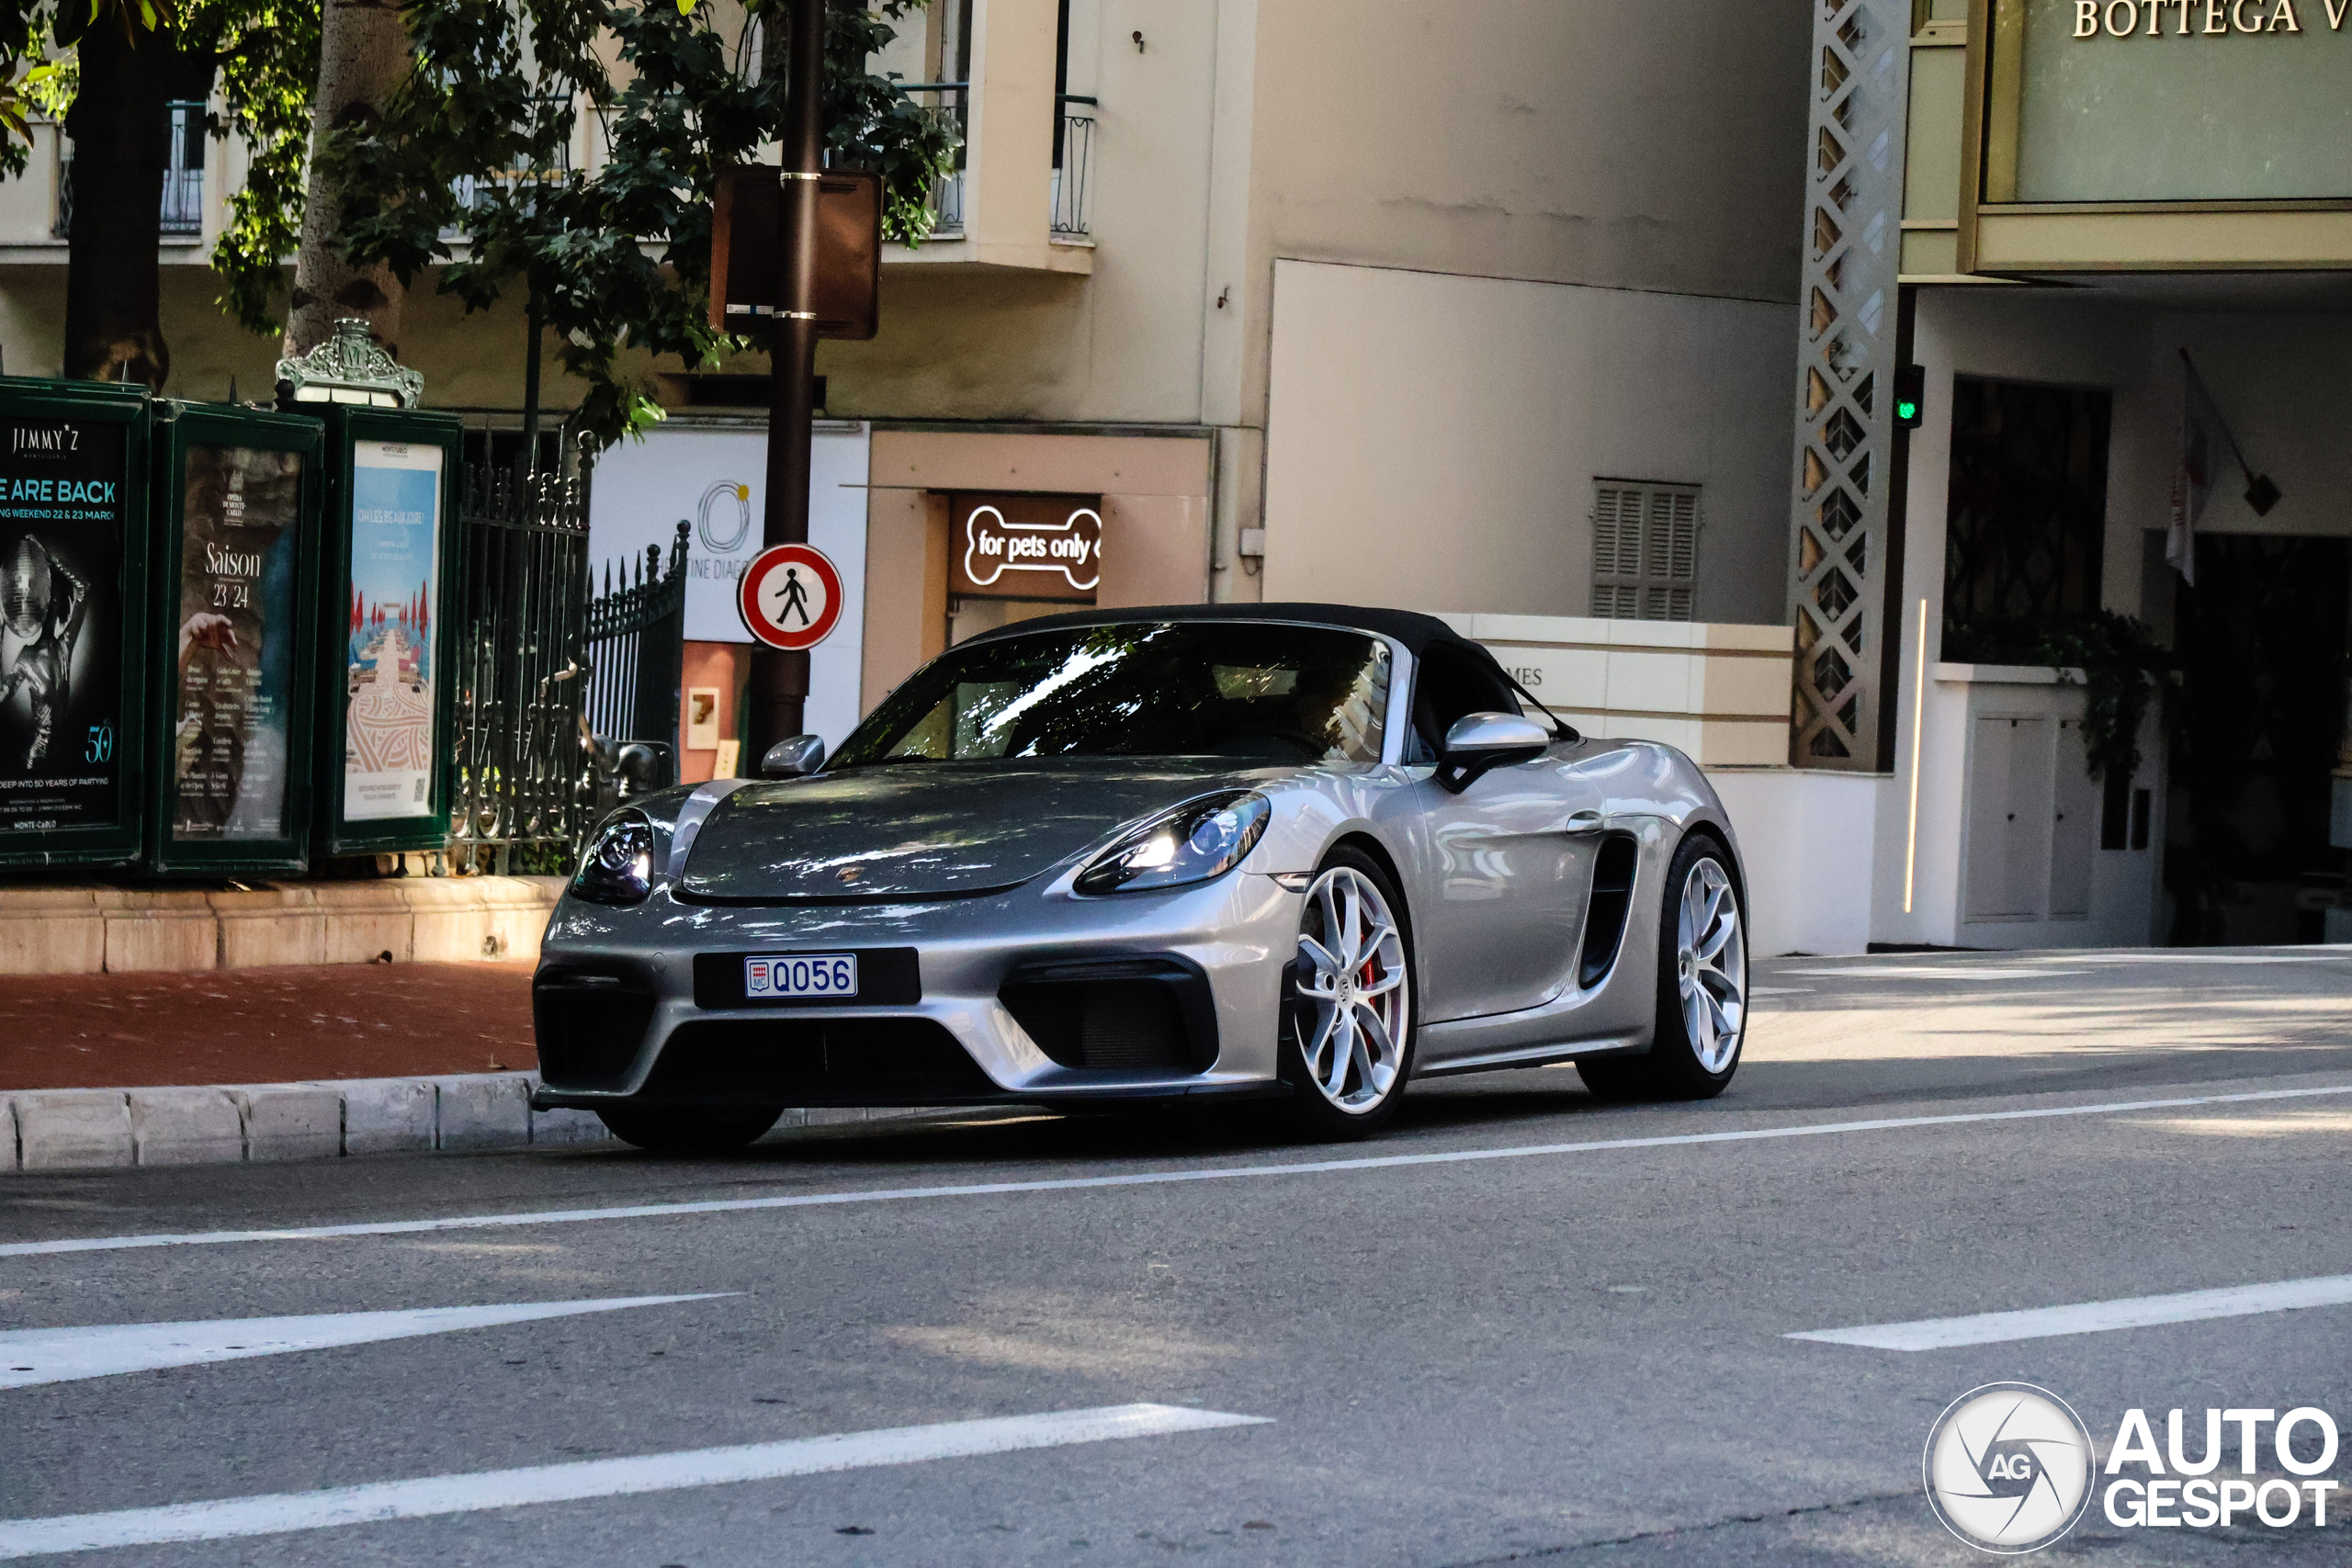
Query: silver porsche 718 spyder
(1298, 852)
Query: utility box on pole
(74, 622)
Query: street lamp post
(779, 681)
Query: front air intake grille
(816, 1060)
(589, 1025)
(1134, 1014)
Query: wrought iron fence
(524, 779)
(1073, 162)
(636, 642)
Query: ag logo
(2008, 1468)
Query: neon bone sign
(1073, 548)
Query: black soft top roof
(1416, 631)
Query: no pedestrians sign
(791, 597)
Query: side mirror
(793, 758)
(1480, 741)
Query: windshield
(1252, 692)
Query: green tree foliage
(264, 55)
(616, 254)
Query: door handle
(1583, 822)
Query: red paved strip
(274, 1025)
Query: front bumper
(620, 1021)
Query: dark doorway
(2028, 513)
(2262, 641)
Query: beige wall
(1444, 461)
(1155, 524)
(1655, 146)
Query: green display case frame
(122, 841)
(346, 427)
(177, 427)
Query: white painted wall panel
(1432, 439)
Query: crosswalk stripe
(30, 1355)
(1143, 1178)
(232, 1518)
(2092, 1318)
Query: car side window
(1449, 683)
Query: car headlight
(1199, 839)
(618, 867)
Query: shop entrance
(2258, 733)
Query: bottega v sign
(2202, 18)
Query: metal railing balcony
(948, 103)
(472, 191)
(182, 213)
(1073, 165)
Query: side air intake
(1612, 897)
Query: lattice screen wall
(1845, 377)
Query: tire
(1702, 987)
(689, 1128)
(1346, 1046)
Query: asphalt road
(1565, 1352)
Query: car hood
(927, 829)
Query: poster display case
(234, 652)
(74, 622)
(385, 643)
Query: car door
(1505, 867)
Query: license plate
(812, 974)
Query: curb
(101, 1129)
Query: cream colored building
(1482, 308)
(1411, 275)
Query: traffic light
(1910, 395)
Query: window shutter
(1645, 550)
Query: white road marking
(232, 1518)
(2092, 1318)
(1143, 1179)
(62, 1355)
(1779, 990)
(1921, 972)
(2172, 955)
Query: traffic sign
(791, 597)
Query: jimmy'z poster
(62, 503)
(235, 661)
(395, 569)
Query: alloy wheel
(1355, 990)
(1710, 965)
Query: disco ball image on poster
(61, 505)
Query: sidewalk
(263, 1025)
(308, 1062)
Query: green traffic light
(1907, 411)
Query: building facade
(1490, 311)
(2123, 271)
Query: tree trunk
(363, 56)
(121, 129)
